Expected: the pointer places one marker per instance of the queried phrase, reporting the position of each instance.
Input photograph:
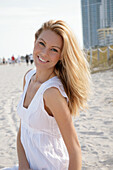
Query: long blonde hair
(72, 68)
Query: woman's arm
(23, 163)
(59, 108)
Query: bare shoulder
(24, 78)
(56, 102)
(27, 72)
(53, 93)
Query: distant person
(13, 59)
(54, 90)
(9, 61)
(27, 59)
(31, 58)
(4, 60)
(1, 61)
(18, 59)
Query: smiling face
(47, 50)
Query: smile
(42, 60)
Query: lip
(42, 60)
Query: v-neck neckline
(36, 91)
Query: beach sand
(94, 128)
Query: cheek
(36, 48)
(35, 52)
(55, 58)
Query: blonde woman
(55, 90)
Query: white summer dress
(40, 135)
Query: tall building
(90, 22)
(106, 13)
(97, 17)
(105, 33)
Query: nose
(45, 52)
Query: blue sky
(20, 19)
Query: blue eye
(41, 43)
(53, 49)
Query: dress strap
(29, 75)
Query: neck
(42, 76)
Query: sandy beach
(94, 128)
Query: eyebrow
(52, 46)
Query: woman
(54, 91)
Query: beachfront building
(105, 33)
(105, 36)
(97, 21)
(90, 22)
